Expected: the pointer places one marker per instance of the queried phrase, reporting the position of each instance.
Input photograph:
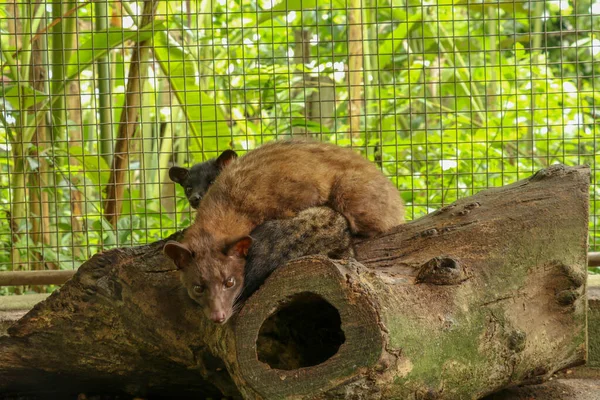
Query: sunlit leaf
(205, 118)
(509, 6)
(285, 7)
(95, 167)
(389, 43)
(29, 96)
(96, 44)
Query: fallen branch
(486, 293)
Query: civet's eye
(188, 190)
(198, 289)
(229, 283)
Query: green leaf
(95, 167)
(285, 7)
(29, 96)
(311, 126)
(390, 42)
(96, 44)
(203, 115)
(108, 234)
(509, 6)
(52, 256)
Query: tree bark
(129, 120)
(355, 67)
(38, 179)
(486, 293)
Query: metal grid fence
(99, 99)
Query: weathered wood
(16, 278)
(480, 295)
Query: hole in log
(303, 332)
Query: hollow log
(486, 293)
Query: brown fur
(281, 178)
(277, 181)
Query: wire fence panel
(99, 99)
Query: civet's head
(214, 278)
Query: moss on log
(483, 294)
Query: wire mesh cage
(99, 99)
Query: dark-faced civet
(196, 180)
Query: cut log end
(304, 331)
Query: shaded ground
(556, 389)
(577, 384)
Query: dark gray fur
(317, 230)
(196, 180)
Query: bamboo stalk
(18, 206)
(57, 68)
(13, 27)
(535, 58)
(492, 92)
(168, 191)
(75, 139)
(129, 121)
(38, 195)
(39, 179)
(18, 178)
(23, 133)
(104, 87)
(149, 135)
(373, 104)
(355, 66)
(204, 22)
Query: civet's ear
(226, 158)
(179, 253)
(239, 248)
(178, 174)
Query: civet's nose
(218, 316)
(195, 200)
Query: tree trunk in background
(39, 210)
(129, 120)
(13, 27)
(485, 293)
(301, 57)
(105, 120)
(168, 189)
(75, 140)
(14, 40)
(319, 91)
(355, 66)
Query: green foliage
(458, 97)
(97, 43)
(204, 118)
